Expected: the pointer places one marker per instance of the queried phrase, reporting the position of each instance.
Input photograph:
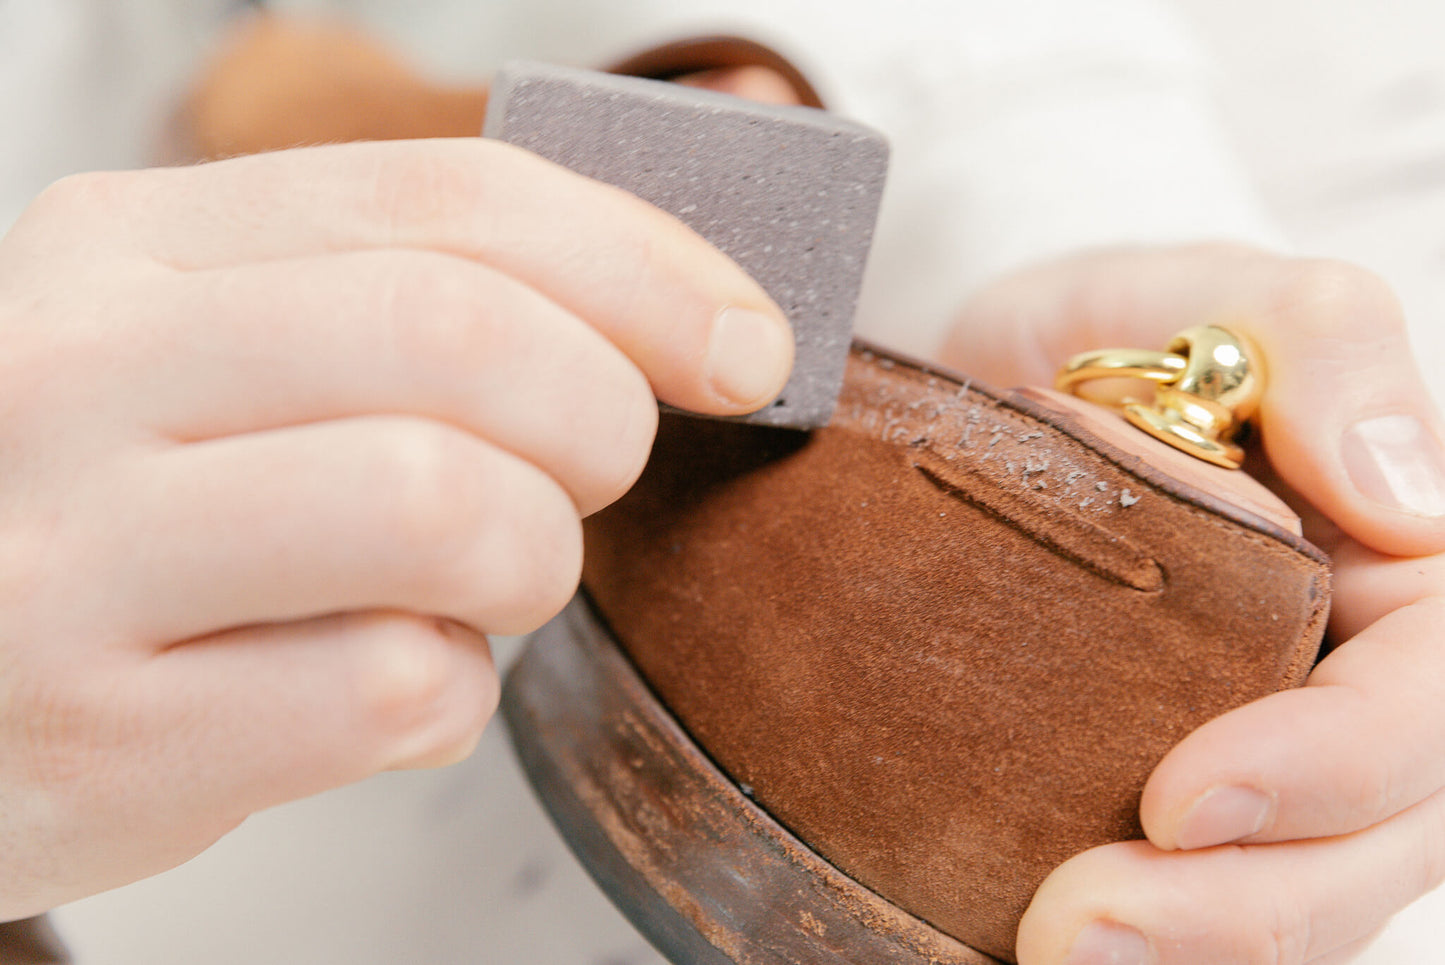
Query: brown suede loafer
(849, 696)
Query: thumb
(1346, 419)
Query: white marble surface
(1339, 108)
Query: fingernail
(1224, 814)
(1108, 943)
(749, 355)
(1395, 460)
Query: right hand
(284, 437)
(1291, 828)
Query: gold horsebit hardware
(1206, 384)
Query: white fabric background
(1338, 112)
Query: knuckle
(436, 310)
(625, 439)
(420, 186)
(433, 481)
(427, 683)
(402, 676)
(90, 192)
(489, 535)
(83, 207)
(541, 561)
(473, 699)
(1337, 300)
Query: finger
(1368, 585)
(416, 333)
(1277, 904)
(336, 698)
(1020, 329)
(368, 513)
(707, 336)
(1359, 743)
(1346, 420)
(249, 719)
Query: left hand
(1289, 830)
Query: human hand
(1289, 830)
(284, 436)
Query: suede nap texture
(945, 639)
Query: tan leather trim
(696, 54)
(707, 875)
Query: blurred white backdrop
(1338, 110)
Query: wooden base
(705, 874)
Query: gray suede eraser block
(789, 193)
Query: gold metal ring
(1208, 382)
(1120, 363)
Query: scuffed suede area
(945, 639)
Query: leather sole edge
(700, 870)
